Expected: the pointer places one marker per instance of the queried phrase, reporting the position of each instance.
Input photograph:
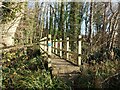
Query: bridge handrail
(68, 40)
(55, 48)
(16, 46)
(66, 51)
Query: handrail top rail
(16, 46)
(63, 40)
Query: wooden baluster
(56, 46)
(61, 47)
(53, 46)
(79, 51)
(67, 48)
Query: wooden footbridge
(60, 59)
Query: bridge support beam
(79, 51)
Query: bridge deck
(64, 69)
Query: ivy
(9, 10)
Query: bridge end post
(49, 51)
(79, 51)
(45, 42)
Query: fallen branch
(107, 79)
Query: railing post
(79, 50)
(45, 42)
(56, 46)
(67, 48)
(53, 46)
(49, 50)
(60, 47)
(41, 44)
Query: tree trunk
(90, 25)
(61, 20)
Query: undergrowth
(23, 72)
(93, 76)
